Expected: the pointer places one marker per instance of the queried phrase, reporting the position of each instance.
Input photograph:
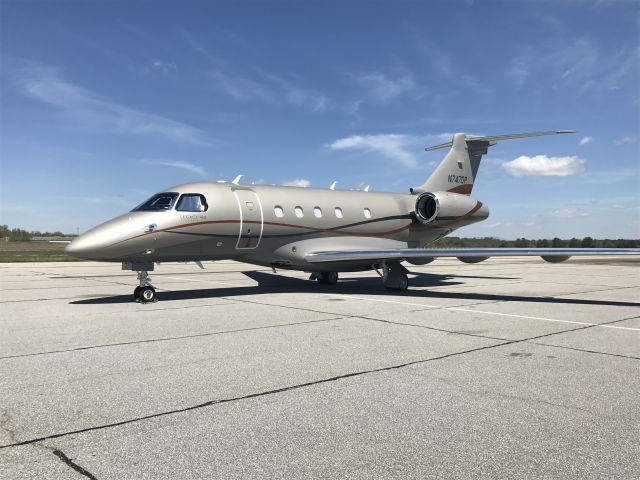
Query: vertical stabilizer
(457, 171)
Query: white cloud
(242, 89)
(579, 65)
(270, 89)
(299, 97)
(89, 110)
(301, 182)
(518, 70)
(585, 141)
(569, 213)
(394, 146)
(164, 67)
(383, 88)
(189, 167)
(625, 140)
(544, 166)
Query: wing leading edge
(373, 255)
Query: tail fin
(457, 171)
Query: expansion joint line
(297, 387)
(61, 455)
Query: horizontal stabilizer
(409, 253)
(492, 140)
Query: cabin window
(278, 211)
(317, 211)
(192, 202)
(339, 212)
(367, 213)
(157, 203)
(299, 212)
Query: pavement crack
(426, 327)
(167, 339)
(81, 470)
(575, 349)
(372, 319)
(252, 395)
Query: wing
(471, 253)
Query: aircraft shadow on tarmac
(273, 284)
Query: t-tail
(457, 171)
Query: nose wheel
(144, 293)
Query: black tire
(327, 278)
(147, 294)
(404, 283)
(136, 293)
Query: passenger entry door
(250, 219)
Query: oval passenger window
(278, 211)
(299, 212)
(317, 212)
(339, 212)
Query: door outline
(241, 238)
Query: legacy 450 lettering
(462, 179)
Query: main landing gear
(325, 278)
(394, 276)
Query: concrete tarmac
(511, 368)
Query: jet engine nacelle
(555, 258)
(440, 207)
(472, 259)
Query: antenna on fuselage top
(237, 179)
(333, 185)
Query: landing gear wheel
(331, 278)
(403, 283)
(147, 294)
(327, 278)
(394, 276)
(136, 293)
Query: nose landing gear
(145, 293)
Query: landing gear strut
(325, 278)
(394, 276)
(144, 293)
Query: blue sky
(105, 103)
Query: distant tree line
(491, 242)
(19, 235)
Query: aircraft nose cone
(83, 247)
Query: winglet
(237, 179)
(333, 185)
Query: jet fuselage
(264, 225)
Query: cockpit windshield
(192, 202)
(157, 203)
